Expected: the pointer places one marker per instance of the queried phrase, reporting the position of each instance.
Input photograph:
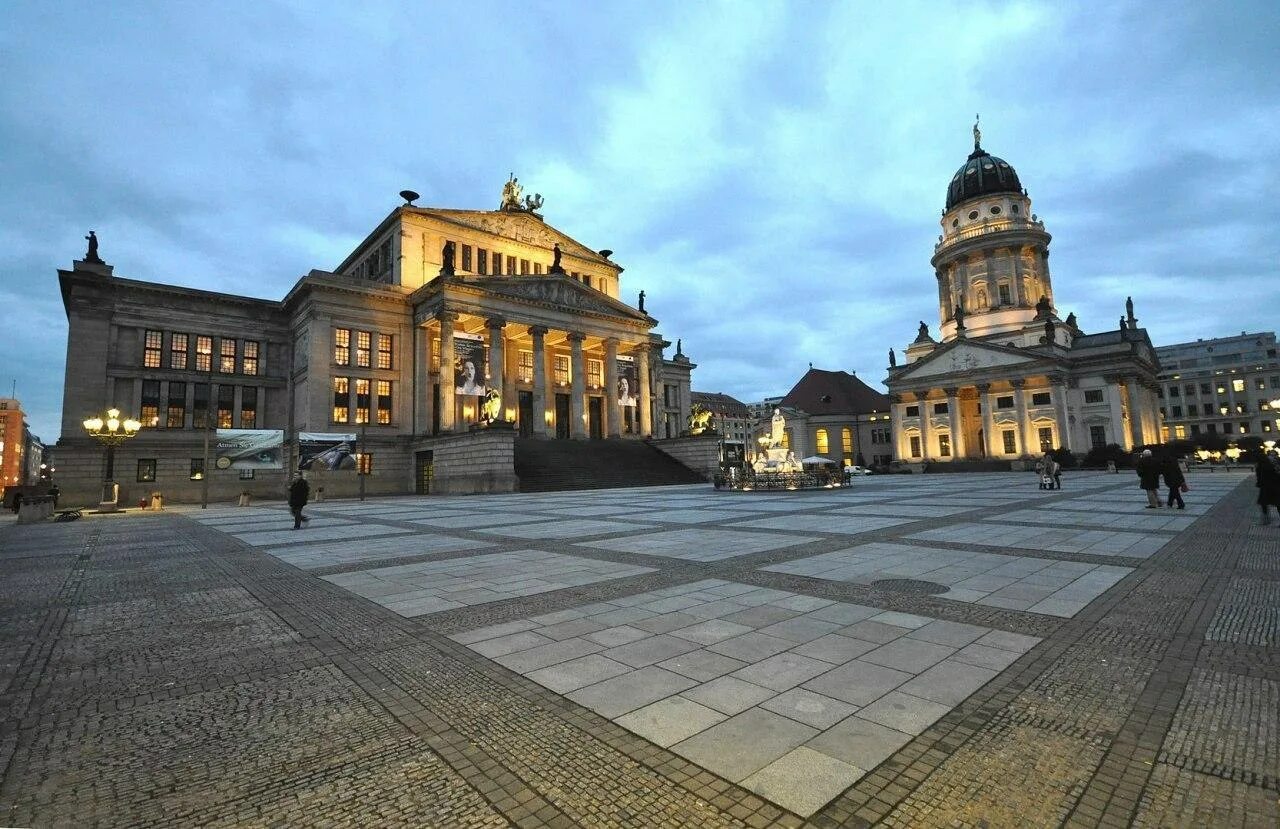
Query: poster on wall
(628, 382)
(326, 450)
(249, 449)
(469, 353)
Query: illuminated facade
(1008, 378)
(1221, 386)
(434, 312)
(15, 440)
(833, 414)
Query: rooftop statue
(511, 194)
(91, 255)
(923, 333)
(446, 259)
(893, 359)
(1124, 326)
(1050, 331)
(977, 133)
(556, 267)
(534, 202)
(1071, 320)
(642, 302)
(1042, 307)
(959, 316)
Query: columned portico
(497, 369)
(1133, 411)
(578, 386)
(1058, 387)
(987, 402)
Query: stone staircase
(548, 465)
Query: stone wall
(472, 463)
(700, 453)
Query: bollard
(157, 501)
(244, 499)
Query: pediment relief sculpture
(556, 291)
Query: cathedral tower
(992, 259)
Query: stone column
(988, 403)
(1115, 399)
(1059, 391)
(1135, 412)
(421, 387)
(895, 425)
(497, 366)
(613, 417)
(926, 428)
(539, 333)
(646, 401)
(1017, 276)
(447, 409)
(1020, 409)
(953, 418)
(578, 389)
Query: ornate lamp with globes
(111, 431)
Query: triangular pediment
(960, 357)
(516, 225)
(558, 290)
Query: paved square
(751, 683)
(701, 544)
(432, 586)
(1093, 542)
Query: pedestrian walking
(1149, 478)
(299, 493)
(54, 492)
(1175, 480)
(1267, 479)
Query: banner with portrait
(628, 382)
(469, 364)
(326, 450)
(249, 449)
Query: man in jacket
(299, 493)
(1267, 480)
(1149, 477)
(1174, 479)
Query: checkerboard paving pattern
(792, 696)
(1092, 542)
(701, 544)
(433, 586)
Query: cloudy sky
(772, 175)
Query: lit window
(915, 446)
(466, 257)
(178, 351)
(362, 400)
(1010, 441)
(363, 339)
(175, 417)
(820, 441)
(364, 463)
(1046, 439)
(1180, 431)
(341, 399)
(525, 370)
(150, 403)
(342, 346)
(846, 441)
(151, 351)
(944, 445)
(248, 407)
(227, 352)
(435, 355)
(1237, 385)
(384, 402)
(595, 376)
(511, 266)
(197, 469)
(560, 368)
(226, 404)
(204, 353)
(250, 357)
(384, 351)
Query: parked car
(856, 470)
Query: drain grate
(913, 587)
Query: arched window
(821, 440)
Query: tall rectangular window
(204, 353)
(363, 339)
(846, 441)
(384, 351)
(226, 405)
(341, 399)
(150, 403)
(1010, 441)
(250, 361)
(249, 407)
(525, 372)
(227, 353)
(152, 347)
(178, 351)
(146, 470)
(821, 442)
(537, 268)
(944, 445)
(915, 446)
(176, 416)
(1097, 436)
(524, 266)
(435, 355)
(511, 266)
(1237, 384)
(482, 261)
(384, 402)
(595, 375)
(362, 400)
(560, 369)
(1046, 439)
(1006, 298)
(200, 406)
(364, 463)
(342, 346)
(466, 258)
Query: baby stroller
(1046, 482)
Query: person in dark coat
(1149, 477)
(1174, 479)
(1267, 474)
(299, 493)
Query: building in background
(729, 416)
(433, 313)
(1223, 385)
(833, 414)
(13, 443)
(763, 409)
(1009, 379)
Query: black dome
(982, 174)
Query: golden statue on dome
(977, 133)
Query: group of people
(1151, 468)
(1049, 471)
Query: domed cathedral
(1009, 379)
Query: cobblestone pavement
(949, 650)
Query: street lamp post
(111, 431)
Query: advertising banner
(249, 449)
(469, 364)
(326, 450)
(628, 382)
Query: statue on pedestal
(556, 267)
(1124, 326)
(1071, 321)
(893, 359)
(1042, 307)
(959, 317)
(642, 302)
(1050, 331)
(923, 333)
(91, 255)
(511, 194)
(446, 259)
